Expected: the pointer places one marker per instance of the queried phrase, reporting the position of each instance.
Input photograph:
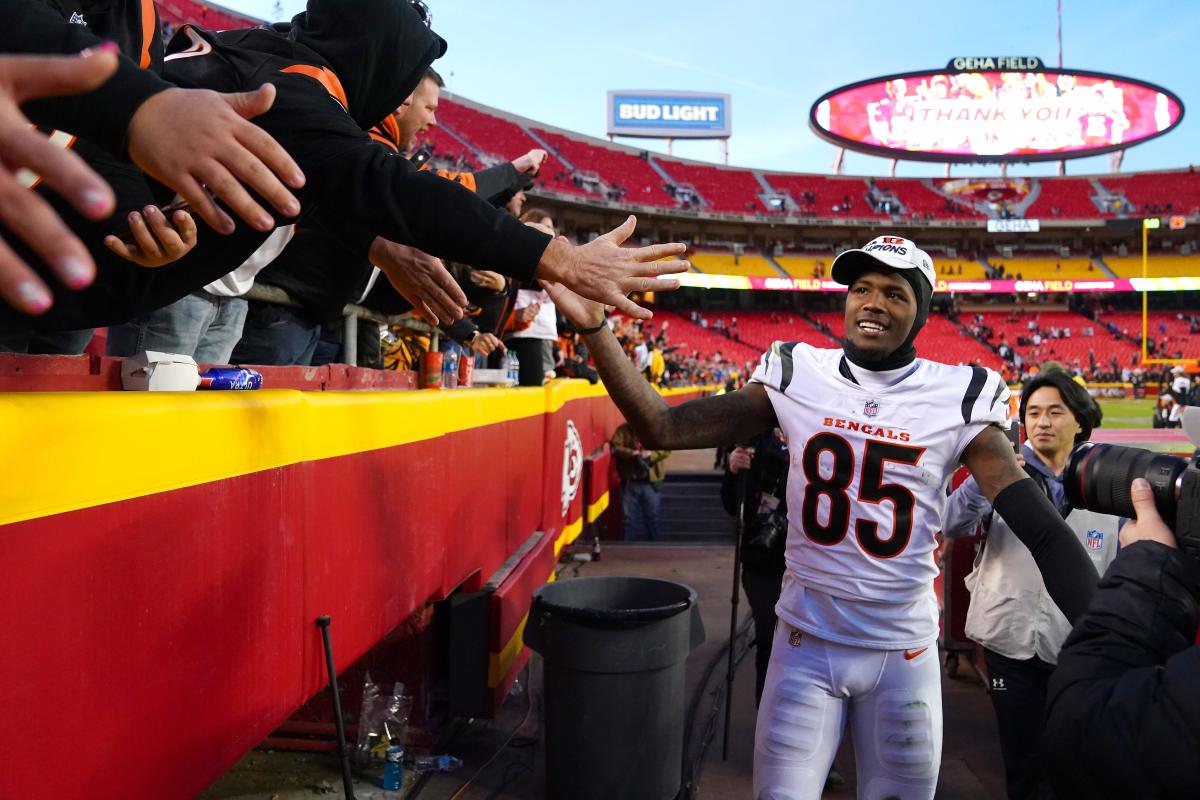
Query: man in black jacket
(1123, 715)
(321, 270)
(337, 74)
(137, 121)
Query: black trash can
(615, 649)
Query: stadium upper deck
(585, 168)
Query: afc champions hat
(890, 251)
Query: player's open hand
(190, 139)
(154, 240)
(605, 272)
(422, 279)
(22, 210)
(581, 312)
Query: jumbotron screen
(995, 116)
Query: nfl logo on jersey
(1095, 540)
(871, 408)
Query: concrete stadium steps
(692, 511)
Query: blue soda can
(230, 378)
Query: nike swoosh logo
(909, 655)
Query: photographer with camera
(642, 474)
(1011, 614)
(1126, 690)
(764, 463)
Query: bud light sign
(669, 115)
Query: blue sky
(553, 61)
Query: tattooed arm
(726, 419)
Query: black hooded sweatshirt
(102, 115)
(325, 265)
(339, 70)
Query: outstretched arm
(1066, 570)
(708, 422)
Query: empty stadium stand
(206, 15)
(1173, 192)
(948, 268)
(445, 146)
(919, 199)
(726, 263)
(503, 140)
(759, 329)
(828, 193)
(1050, 268)
(686, 337)
(798, 266)
(940, 340)
(1077, 345)
(1072, 197)
(725, 191)
(1158, 266)
(618, 169)
(1177, 335)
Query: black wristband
(590, 331)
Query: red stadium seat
(828, 193)
(503, 139)
(206, 15)
(940, 340)
(617, 168)
(919, 199)
(1178, 190)
(727, 191)
(1071, 196)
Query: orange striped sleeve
(324, 76)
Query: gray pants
(201, 325)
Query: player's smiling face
(880, 311)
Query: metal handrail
(351, 314)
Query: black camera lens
(1098, 477)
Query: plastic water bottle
(442, 763)
(393, 767)
(514, 367)
(450, 367)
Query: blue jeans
(640, 501)
(201, 325)
(278, 336)
(58, 343)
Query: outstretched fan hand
(605, 272)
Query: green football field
(1127, 413)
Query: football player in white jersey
(876, 434)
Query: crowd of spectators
(668, 362)
(446, 243)
(1039, 341)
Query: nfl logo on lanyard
(871, 408)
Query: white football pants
(894, 702)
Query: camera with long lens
(1098, 478)
(767, 534)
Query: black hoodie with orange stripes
(339, 68)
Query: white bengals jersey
(867, 488)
